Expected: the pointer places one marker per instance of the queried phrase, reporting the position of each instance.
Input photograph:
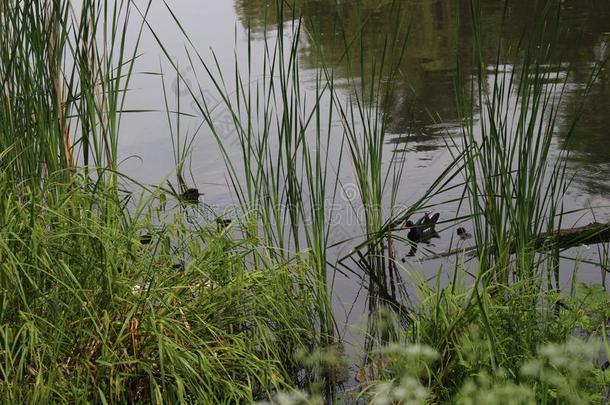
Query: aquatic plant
(109, 294)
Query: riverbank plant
(137, 311)
(116, 292)
(106, 296)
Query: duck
(222, 223)
(423, 229)
(463, 234)
(190, 195)
(145, 239)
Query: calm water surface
(424, 107)
(423, 112)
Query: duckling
(190, 195)
(222, 223)
(145, 239)
(463, 234)
(423, 229)
(413, 234)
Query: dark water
(422, 113)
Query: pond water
(423, 114)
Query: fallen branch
(563, 239)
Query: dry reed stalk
(68, 144)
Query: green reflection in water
(439, 34)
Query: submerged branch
(592, 233)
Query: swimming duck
(190, 195)
(423, 229)
(463, 234)
(222, 223)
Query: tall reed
(515, 188)
(281, 132)
(64, 70)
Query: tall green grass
(103, 298)
(290, 156)
(514, 185)
(283, 177)
(65, 70)
(112, 298)
(493, 325)
(88, 312)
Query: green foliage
(510, 345)
(484, 389)
(566, 373)
(89, 312)
(109, 300)
(464, 371)
(587, 310)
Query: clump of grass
(92, 308)
(282, 132)
(489, 335)
(103, 300)
(467, 346)
(88, 311)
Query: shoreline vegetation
(112, 291)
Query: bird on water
(188, 194)
(463, 234)
(423, 229)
